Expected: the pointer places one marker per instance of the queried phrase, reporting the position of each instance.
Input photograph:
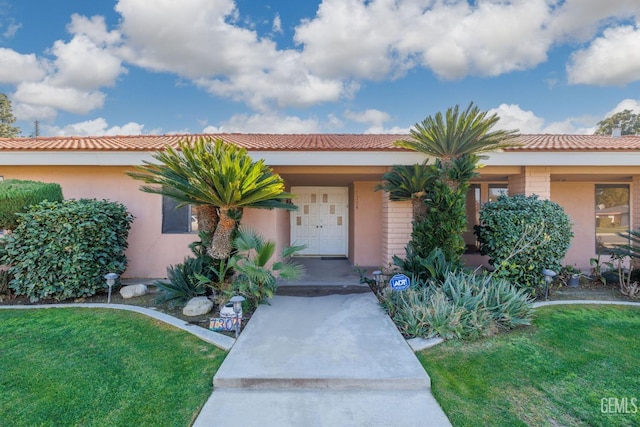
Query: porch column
(532, 180)
(396, 228)
(635, 202)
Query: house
(592, 177)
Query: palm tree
(409, 182)
(458, 134)
(457, 141)
(218, 178)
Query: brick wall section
(396, 228)
(635, 202)
(532, 180)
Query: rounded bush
(63, 249)
(522, 236)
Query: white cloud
(265, 123)
(371, 116)
(42, 94)
(276, 27)
(96, 127)
(625, 104)
(72, 80)
(527, 122)
(199, 40)
(11, 30)
(396, 130)
(513, 117)
(17, 67)
(613, 59)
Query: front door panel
(321, 220)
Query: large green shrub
(522, 236)
(63, 249)
(16, 196)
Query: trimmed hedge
(16, 196)
(63, 250)
(522, 236)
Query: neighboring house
(334, 177)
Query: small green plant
(255, 276)
(63, 250)
(598, 268)
(183, 282)
(189, 279)
(434, 266)
(255, 279)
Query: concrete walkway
(334, 360)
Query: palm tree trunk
(221, 242)
(419, 208)
(207, 218)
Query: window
(497, 190)
(177, 220)
(612, 215)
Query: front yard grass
(556, 372)
(98, 367)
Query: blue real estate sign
(399, 282)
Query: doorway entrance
(321, 221)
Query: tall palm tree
(409, 182)
(457, 141)
(458, 134)
(214, 174)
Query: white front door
(321, 220)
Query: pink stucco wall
(366, 249)
(577, 199)
(150, 251)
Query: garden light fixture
(237, 309)
(548, 278)
(111, 280)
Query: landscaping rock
(131, 291)
(197, 306)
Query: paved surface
(334, 360)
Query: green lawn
(93, 367)
(554, 373)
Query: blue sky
(341, 66)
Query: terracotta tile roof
(552, 142)
(304, 142)
(263, 142)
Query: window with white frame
(611, 215)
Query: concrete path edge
(219, 340)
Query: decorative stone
(197, 306)
(131, 291)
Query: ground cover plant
(567, 369)
(89, 367)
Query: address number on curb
(399, 282)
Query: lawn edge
(221, 341)
(418, 344)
